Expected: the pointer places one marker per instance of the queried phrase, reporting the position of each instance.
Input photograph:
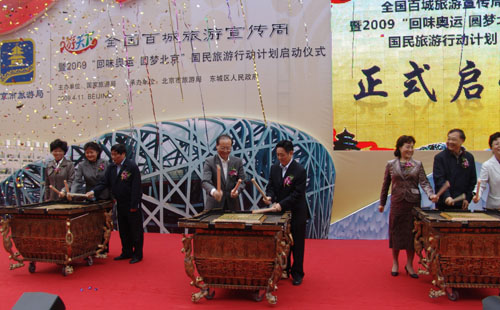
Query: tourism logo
(17, 61)
(78, 44)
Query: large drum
(459, 249)
(236, 251)
(56, 232)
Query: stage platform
(340, 274)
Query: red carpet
(340, 274)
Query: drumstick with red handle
(66, 186)
(55, 190)
(459, 198)
(258, 188)
(478, 194)
(218, 180)
(237, 185)
(265, 210)
(443, 188)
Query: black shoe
(394, 273)
(413, 275)
(135, 260)
(297, 281)
(121, 257)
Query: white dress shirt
(225, 164)
(285, 168)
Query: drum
(459, 249)
(56, 232)
(236, 251)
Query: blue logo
(17, 61)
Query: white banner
(98, 66)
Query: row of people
(454, 174)
(285, 190)
(120, 179)
(60, 169)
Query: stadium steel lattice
(171, 155)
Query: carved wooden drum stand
(236, 251)
(56, 233)
(459, 249)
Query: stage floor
(340, 274)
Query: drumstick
(459, 198)
(478, 190)
(237, 185)
(78, 195)
(54, 189)
(264, 210)
(218, 178)
(443, 188)
(66, 186)
(258, 188)
(218, 184)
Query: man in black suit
(287, 189)
(231, 171)
(124, 179)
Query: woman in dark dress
(405, 174)
(58, 170)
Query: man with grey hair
(231, 171)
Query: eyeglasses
(223, 148)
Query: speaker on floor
(39, 301)
(491, 303)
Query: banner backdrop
(84, 68)
(414, 67)
(166, 78)
(418, 67)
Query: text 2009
(377, 24)
(75, 65)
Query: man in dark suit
(458, 167)
(124, 179)
(287, 189)
(231, 171)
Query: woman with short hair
(58, 170)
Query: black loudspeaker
(39, 301)
(491, 303)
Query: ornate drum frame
(236, 255)
(458, 254)
(56, 233)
